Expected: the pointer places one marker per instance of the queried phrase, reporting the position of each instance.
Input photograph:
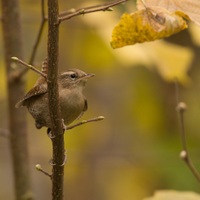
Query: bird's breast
(72, 104)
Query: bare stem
(184, 155)
(39, 168)
(38, 38)
(81, 11)
(85, 121)
(29, 66)
(181, 108)
(39, 35)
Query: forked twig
(81, 11)
(181, 108)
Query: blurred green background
(135, 150)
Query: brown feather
(34, 92)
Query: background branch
(181, 108)
(12, 39)
(39, 35)
(38, 38)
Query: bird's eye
(73, 76)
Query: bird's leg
(49, 133)
(64, 126)
(52, 163)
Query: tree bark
(54, 108)
(17, 121)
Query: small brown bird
(72, 101)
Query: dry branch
(184, 154)
(85, 122)
(66, 15)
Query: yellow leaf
(191, 8)
(147, 24)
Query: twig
(39, 168)
(41, 28)
(181, 108)
(86, 121)
(81, 11)
(38, 38)
(29, 66)
(184, 155)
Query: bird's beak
(86, 76)
(89, 75)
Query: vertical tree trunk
(53, 95)
(15, 85)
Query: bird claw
(61, 165)
(64, 126)
(49, 133)
(64, 161)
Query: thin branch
(81, 11)
(38, 38)
(39, 168)
(29, 66)
(85, 121)
(184, 155)
(41, 28)
(181, 108)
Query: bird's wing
(84, 109)
(34, 92)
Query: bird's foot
(64, 126)
(49, 133)
(52, 163)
